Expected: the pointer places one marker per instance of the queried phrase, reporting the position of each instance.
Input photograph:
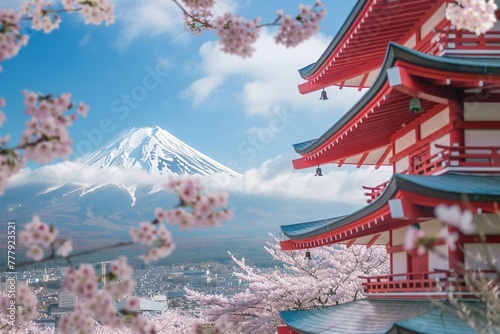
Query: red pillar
(456, 118)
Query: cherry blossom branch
(237, 34)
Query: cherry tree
(328, 277)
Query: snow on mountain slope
(154, 150)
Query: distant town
(159, 287)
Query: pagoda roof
(370, 26)
(369, 124)
(378, 316)
(450, 187)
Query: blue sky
(147, 70)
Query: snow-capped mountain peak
(155, 150)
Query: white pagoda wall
(400, 144)
(436, 259)
(399, 260)
(427, 129)
(444, 140)
(399, 264)
(405, 141)
(402, 164)
(482, 112)
(434, 123)
(438, 16)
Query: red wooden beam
(351, 242)
(401, 80)
(358, 147)
(362, 160)
(384, 155)
(373, 240)
(486, 125)
(308, 87)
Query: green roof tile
(376, 316)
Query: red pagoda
(432, 112)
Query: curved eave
(381, 89)
(448, 187)
(303, 231)
(311, 69)
(345, 62)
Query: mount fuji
(154, 150)
(96, 199)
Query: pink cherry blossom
(414, 239)
(98, 304)
(294, 31)
(93, 11)
(145, 235)
(42, 16)
(132, 304)
(35, 252)
(142, 325)
(37, 234)
(121, 269)
(454, 216)
(477, 16)
(65, 248)
(11, 40)
(83, 109)
(46, 137)
(195, 4)
(25, 302)
(236, 34)
(450, 238)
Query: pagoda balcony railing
(374, 192)
(465, 42)
(423, 282)
(460, 158)
(471, 158)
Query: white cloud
(267, 79)
(73, 172)
(277, 177)
(155, 17)
(147, 17)
(274, 177)
(201, 89)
